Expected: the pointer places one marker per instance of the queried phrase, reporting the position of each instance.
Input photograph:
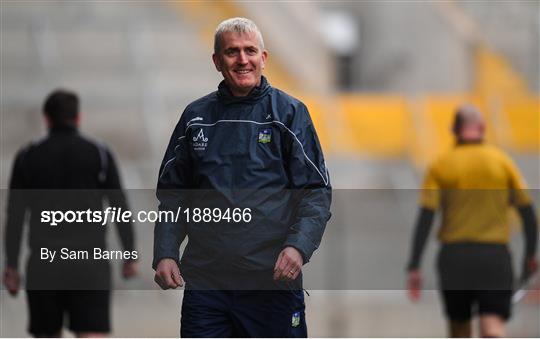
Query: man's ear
(264, 58)
(482, 128)
(48, 121)
(217, 62)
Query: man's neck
(240, 93)
(243, 92)
(469, 141)
(63, 128)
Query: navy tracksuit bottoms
(271, 313)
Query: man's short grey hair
(236, 25)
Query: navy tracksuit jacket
(259, 151)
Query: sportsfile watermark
(119, 215)
(369, 231)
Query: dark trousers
(272, 313)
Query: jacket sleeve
(308, 176)
(174, 178)
(16, 210)
(117, 198)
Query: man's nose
(242, 58)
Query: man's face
(240, 61)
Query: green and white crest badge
(265, 135)
(295, 319)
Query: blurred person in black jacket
(64, 172)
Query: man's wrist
(11, 268)
(14, 265)
(412, 267)
(156, 262)
(167, 258)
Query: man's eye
(230, 53)
(252, 51)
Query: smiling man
(246, 147)
(240, 57)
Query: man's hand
(12, 280)
(530, 266)
(414, 285)
(130, 269)
(168, 274)
(288, 265)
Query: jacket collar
(257, 93)
(63, 129)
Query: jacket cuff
(302, 243)
(156, 260)
(12, 263)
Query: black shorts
(475, 278)
(87, 311)
(461, 305)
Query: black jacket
(60, 172)
(259, 152)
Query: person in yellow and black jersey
(473, 184)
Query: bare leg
(492, 326)
(460, 329)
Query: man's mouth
(242, 71)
